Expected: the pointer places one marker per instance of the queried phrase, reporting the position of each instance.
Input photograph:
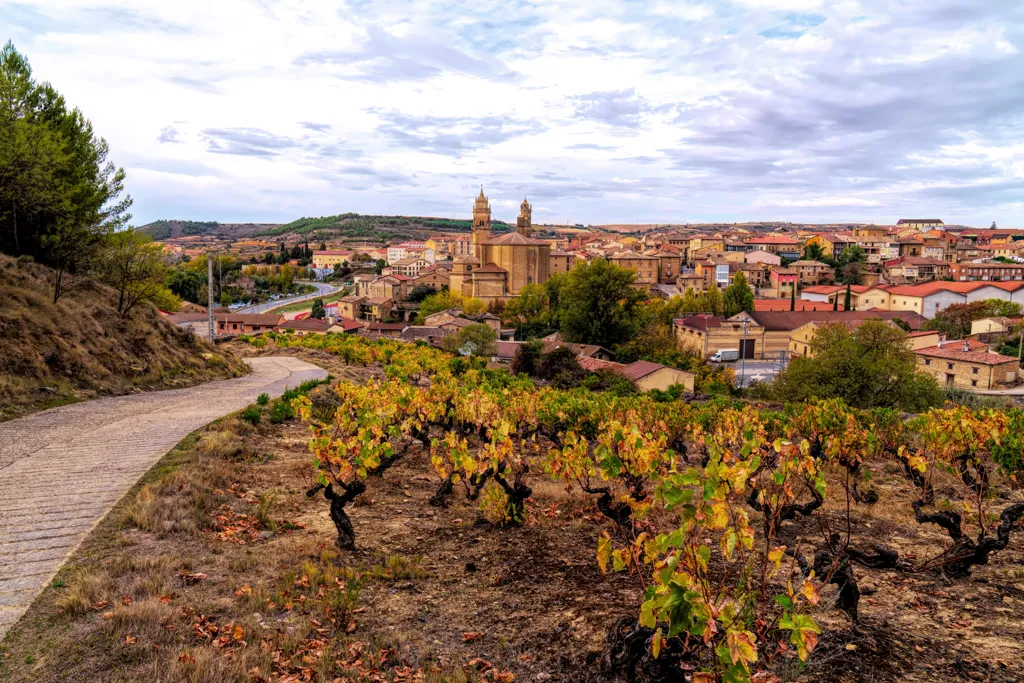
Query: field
(221, 567)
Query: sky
(597, 111)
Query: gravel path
(63, 469)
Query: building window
(949, 366)
(974, 371)
(974, 382)
(927, 361)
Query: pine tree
(846, 303)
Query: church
(500, 267)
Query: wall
(664, 378)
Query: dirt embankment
(80, 348)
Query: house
(560, 261)
(301, 328)
(781, 283)
(394, 330)
(957, 364)
(920, 223)
(647, 376)
(923, 338)
(812, 272)
(422, 333)
(345, 326)
(356, 307)
(765, 258)
(245, 323)
(989, 271)
(329, 258)
(441, 317)
(988, 329)
(915, 269)
(643, 374)
(410, 266)
(645, 267)
(691, 281)
(785, 247)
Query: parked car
(725, 355)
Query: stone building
(501, 266)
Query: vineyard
(738, 524)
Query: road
(754, 370)
(323, 289)
(62, 470)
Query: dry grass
(78, 348)
(179, 502)
(84, 591)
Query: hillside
(79, 348)
(174, 229)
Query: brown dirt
(80, 348)
(531, 600)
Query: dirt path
(61, 470)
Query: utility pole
(209, 295)
(743, 355)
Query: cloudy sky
(809, 110)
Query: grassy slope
(80, 348)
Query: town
(914, 274)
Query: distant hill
(354, 225)
(172, 229)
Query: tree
(713, 302)
(738, 297)
(691, 303)
(420, 292)
(323, 246)
(59, 195)
(133, 265)
(871, 366)
(381, 264)
(528, 312)
(993, 226)
(848, 299)
(473, 340)
(792, 298)
(955, 320)
(813, 252)
(598, 304)
(318, 311)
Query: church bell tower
(481, 222)
(524, 224)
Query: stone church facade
(501, 266)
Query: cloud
(169, 134)
(616, 108)
(249, 142)
(383, 56)
(452, 135)
(665, 111)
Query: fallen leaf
(351, 627)
(130, 640)
(101, 604)
(481, 664)
(126, 600)
(186, 658)
(472, 636)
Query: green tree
(870, 366)
(318, 311)
(473, 340)
(691, 303)
(529, 312)
(713, 302)
(420, 292)
(598, 304)
(738, 297)
(848, 299)
(813, 252)
(59, 194)
(133, 265)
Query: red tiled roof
(640, 369)
(348, 324)
(490, 268)
(772, 239)
(701, 321)
(954, 351)
(774, 321)
(784, 304)
(595, 364)
(310, 324)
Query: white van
(725, 355)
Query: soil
(528, 601)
